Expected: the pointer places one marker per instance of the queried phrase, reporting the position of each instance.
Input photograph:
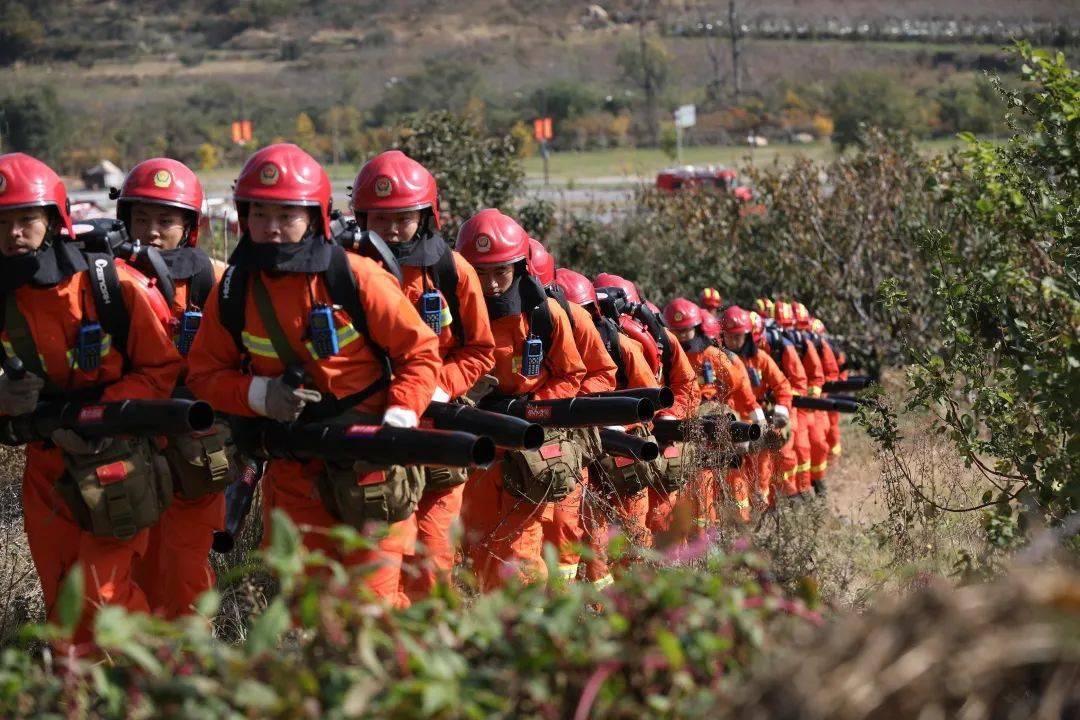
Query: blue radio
(708, 372)
(189, 325)
(431, 310)
(532, 357)
(88, 347)
(322, 333)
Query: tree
(441, 85)
(871, 99)
(474, 170)
(20, 33)
(647, 64)
(35, 123)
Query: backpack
(609, 333)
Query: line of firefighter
(492, 315)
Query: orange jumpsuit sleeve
(740, 395)
(773, 379)
(565, 367)
(154, 363)
(214, 364)
(639, 373)
(829, 365)
(683, 381)
(600, 369)
(794, 370)
(465, 363)
(815, 374)
(395, 325)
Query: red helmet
(802, 316)
(283, 174)
(764, 307)
(655, 310)
(757, 326)
(163, 181)
(394, 182)
(491, 238)
(27, 182)
(635, 329)
(541, 263)
(737, 320)
(710, 326)
(817, 327)
(609, 280)
(710, 299)
(576, 286)
(784, 315)
(682, 314)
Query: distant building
(102, 176)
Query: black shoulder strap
(109, 300)
(446, 280)
(565, 305)
(344, 291)
(232, 295)
(609, 333)
(201, 282)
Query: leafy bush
(871, 99)
(664, 639)
(474, 170)
(1004, 383)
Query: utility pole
(736, 51)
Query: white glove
(780, 416)
(616, 428)
(665, 416)
(440, 395)
(742, 448)
(73, 443)
(272, 398)
(397, 416)
(18, 397)
(757, 417)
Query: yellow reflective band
(820, 468)
(603, 582)
(796, 393)
(257, 345)
(805, 467)
(345, 334)
(836, 450)
(445, 318)
(9, 350)
(568, 572)
(814, 391)
(789, 473)
(742, 504)
(106, 346)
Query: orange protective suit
(795, 373)
(176, 569)
(565, 531)
(831, 366)
(216, 374)
(682, 379)
(818, 422)
(504, 535)
(54, 315)
(773, 470)
(467, 353)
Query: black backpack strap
(609, 333)
(446, 280)
(232, 295)
(201, 282)
(109, 301)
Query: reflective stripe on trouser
(434, 561)
(833, 436)
(819, 446)
(564, 531)
(57, 543)
(176, 568)
(740, 492)
(289, 486)
(802, 449)
(504, 537)
(631, 514)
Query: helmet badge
(678, 317)
(162, 179)
(269, 174)
(483, 243)
(383, 186)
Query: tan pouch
(119, 491)
(437, 479)
(358, 493)
(200, 462)
(547, 474)
(674, 467)
(627, 477)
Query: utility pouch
(437, 479)
(358, 493)
(626, 477)
(119, 491)
(532, 357)
(674, 467)
(200, 462)
(588, 439)
(547, 474)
